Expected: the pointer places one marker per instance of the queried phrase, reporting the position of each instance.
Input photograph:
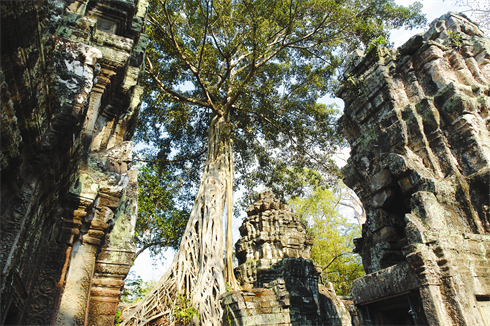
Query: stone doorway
(404, 309)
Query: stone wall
(70, 99)
(279, 281)
(418, 123)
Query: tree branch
(193, 69)
(175, 95)
(173, 161)
(204, 37)
(146, 246)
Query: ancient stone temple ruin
(418, 121)
(279, 281)
(70, 99)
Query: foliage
(184, 312)
(256, 70)
(377, 42)
(117, 317)
(160, 222)
(135, 288)
(455, 39)
(332, 235)
(262, 66)
(478, 11)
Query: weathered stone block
(383, 198)
(381, 180)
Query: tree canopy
(161, 221)
(262, 65)
(333, 236)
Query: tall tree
(239, 79)
(332, 234)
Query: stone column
(115, 259)
(74, 302)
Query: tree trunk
(197, 271)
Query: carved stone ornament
(279, 281)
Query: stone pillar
(73, 307)
(116, 256)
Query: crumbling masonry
(279, 280)
(418, 123)
(70, 99)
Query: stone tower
(418, 123)
(70, 97)
(279, 281)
